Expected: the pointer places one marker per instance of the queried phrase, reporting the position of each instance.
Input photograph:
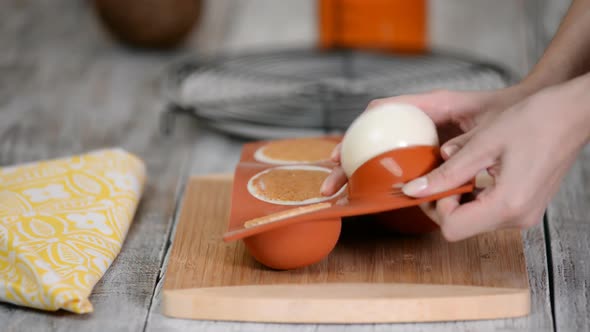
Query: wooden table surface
(66, 88)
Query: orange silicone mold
(287, 236)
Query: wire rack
(306, 92)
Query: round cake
(385, 128)
(290, 185)
(296, 151)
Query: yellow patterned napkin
(62, 223)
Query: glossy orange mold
(288, 237)
(406, 221)
(295, 245)
(281, 246)
(386, 173)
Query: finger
(494, 170)
(431, 103)
(436, 208)
(333, 182)
(479, 216)
(452, 146)
(456, 171)
(446, 205)
(429, 209)
(335, 156)
(484, 179)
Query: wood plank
(123, 296)
(79, 93)
(569, 226)
(347, 303)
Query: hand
(453, 112)
(528, 149)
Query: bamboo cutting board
(370, 277)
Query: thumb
(336, 153)
(456, 171)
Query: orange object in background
(392, 25)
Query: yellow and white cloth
(62, 223)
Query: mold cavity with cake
(299, 244)
(296, 151)
(290, 185)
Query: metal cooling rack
(306, 92)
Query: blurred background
(245, 66)
(509, 32)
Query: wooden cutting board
(370, 277)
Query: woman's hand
(453, 112)
(528, 149)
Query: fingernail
(449, 150)
(415, 187)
